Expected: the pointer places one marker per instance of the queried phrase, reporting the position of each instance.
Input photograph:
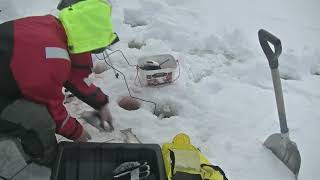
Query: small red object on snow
(129, 103)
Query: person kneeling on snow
(40, 55)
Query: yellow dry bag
(183, 161)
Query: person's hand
(105, 117)
(85, 137)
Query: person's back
(35, 43)
(38, 56)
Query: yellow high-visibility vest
(88, 25)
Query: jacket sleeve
(66, 125)
(88, 93)
(50, 94)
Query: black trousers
(32, 124)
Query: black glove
(132, 171)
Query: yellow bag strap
(173, 162)
(216, 168)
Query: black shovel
(279, 143)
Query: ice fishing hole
(166, 110)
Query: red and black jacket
(35, 65)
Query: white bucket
(162, 76)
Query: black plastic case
(96, 161)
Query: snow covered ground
(224, 98)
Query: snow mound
(134, 44)
(134, 18)
(315, 70)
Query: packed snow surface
(224, 98)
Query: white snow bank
(224, 98)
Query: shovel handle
(264, 38)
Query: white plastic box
(162, 76)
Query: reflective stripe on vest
(57, 53)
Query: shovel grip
(264, 38)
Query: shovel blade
(286, 150)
